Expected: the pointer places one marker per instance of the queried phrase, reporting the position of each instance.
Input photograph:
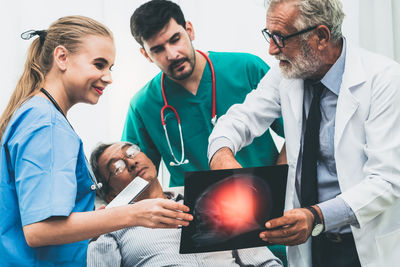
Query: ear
(189, 30)
(144, 53)
(60, 56)
(324, 37)
(110, 196)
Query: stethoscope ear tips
(186, 161)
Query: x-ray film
(230, 207)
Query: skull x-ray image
(233, 206)
(230, 207)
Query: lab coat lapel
(353, 76)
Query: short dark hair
(151, 17)
(94, 163)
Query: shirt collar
(333, 78)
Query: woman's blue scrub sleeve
(45, 179)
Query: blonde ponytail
(29, 82)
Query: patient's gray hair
(316, 12)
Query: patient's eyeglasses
(279, 40)
(119, 166)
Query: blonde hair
(67, 31)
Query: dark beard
(182, 76)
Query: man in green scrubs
(160, 28)
(166, 40)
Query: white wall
(232, 25)
(223, 25)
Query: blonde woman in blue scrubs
(46, 186)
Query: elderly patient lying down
(115, 165)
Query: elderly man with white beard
(341, 112)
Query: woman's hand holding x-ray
(160, 213)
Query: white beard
(302, 66)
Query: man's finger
(283, 221)
(282, 232)
(290, 240)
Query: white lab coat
(366, 141)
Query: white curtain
(223, 25)
(374, 25)
(380, 26)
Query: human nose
(171, 52)
(132, 163)
(107, 77)
(273, 48)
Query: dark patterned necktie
(309, 183)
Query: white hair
(316, 12)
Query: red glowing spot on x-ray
(233, 207)
(235, 202)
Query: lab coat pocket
(388, 246)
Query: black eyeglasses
(279, 40)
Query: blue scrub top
(44, 173)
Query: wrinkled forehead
(281, 17)
(116, 149)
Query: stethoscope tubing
(175, 162)
(95, 185)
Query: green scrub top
(236, 75)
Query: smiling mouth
(98, 90)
